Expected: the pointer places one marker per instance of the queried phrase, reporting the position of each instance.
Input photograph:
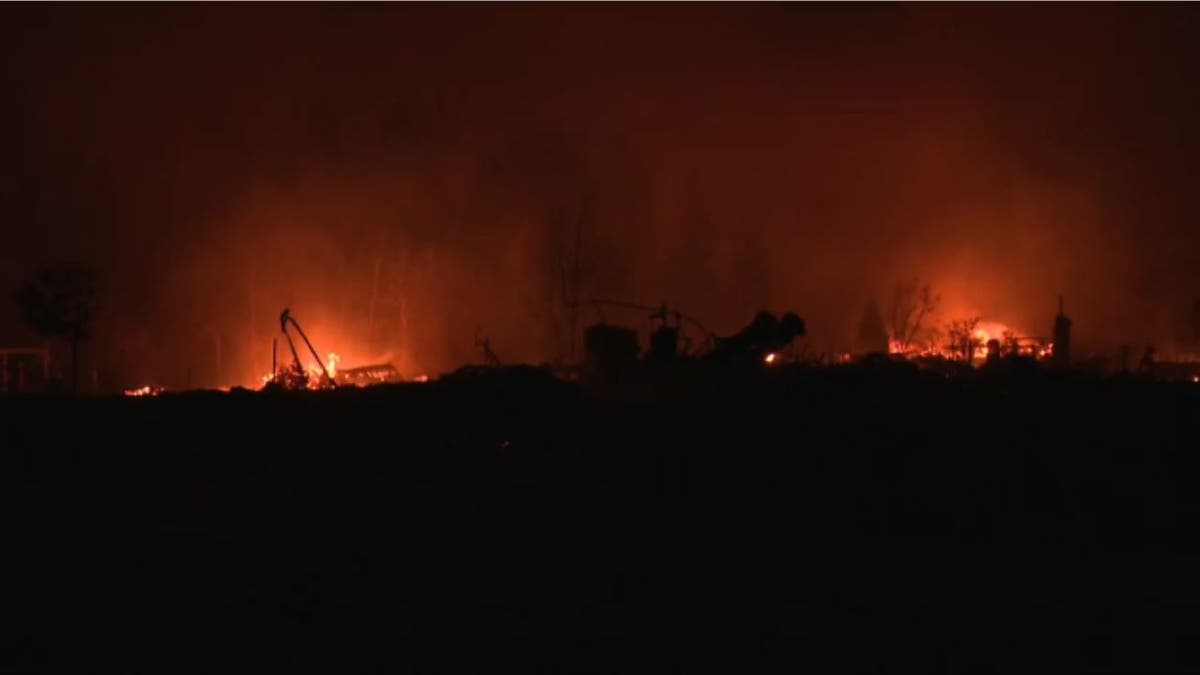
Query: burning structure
(322, 374)
(295, 375)
(974, 341)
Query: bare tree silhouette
(912, 304)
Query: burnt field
(850, 519)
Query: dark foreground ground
(845, 519)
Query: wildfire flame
(1012, 342)
(147, 390)
(770, 358)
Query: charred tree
(912, 305)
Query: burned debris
(294, 375)
(613, 354)
(676, 347)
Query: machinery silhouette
(295, 376)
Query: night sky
(214, 163)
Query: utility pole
(575, 283)
(253, 308)
(1062, 336)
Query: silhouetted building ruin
(664, 341)
(366, 375)
(610, 348)
(24, 369)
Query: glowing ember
(147, 390)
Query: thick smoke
(404, 176)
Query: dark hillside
(848, 518)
